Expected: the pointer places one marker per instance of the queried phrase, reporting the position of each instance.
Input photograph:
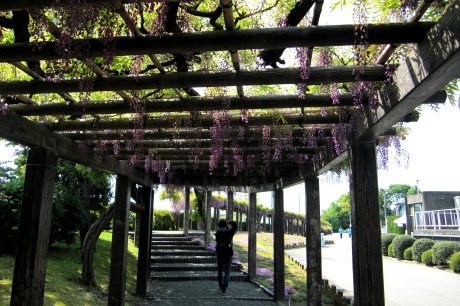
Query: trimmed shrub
(455, 262)
(420, 246)
(387, 239)
(408, 253)
(427, 257)
(400, 244)
(442, 251)
(163, 220)
(390, 250)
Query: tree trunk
(89, 246)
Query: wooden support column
(145, 237)
(314, 269)
(278, 245)
(34, 228)
(230, 205)
(216, 218)
(237, 220)
(207, 221)
(187, 211)
(117, 282)
(137, 229)
(366, 240)
(251, 223)
(264, 223)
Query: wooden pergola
(259, 142)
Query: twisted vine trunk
(89, 246)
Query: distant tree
(80, 194)
(338, 214)
(391, 195)
(176, 196)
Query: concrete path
(406, 283)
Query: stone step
(182, 253)
(167, 235)
(182, 259)
(178, 247)
(175, 243)
(162, 238)
(195, 275)
(189, 267)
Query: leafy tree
(177, 201)
(391, 195)
(79, 196)
(338, 214)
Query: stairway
(175, 257)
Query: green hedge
(387, 239)
(163, 220)
(408, 254)
(455, 262)
(400, 244)
(420, 246)
(427, 257)
(390, 250)
(442, 251)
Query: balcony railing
(438, 219)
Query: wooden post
(278, 245)
(137, 226)
(117, 282)
(187, 211)
(216, 218)
(207, 223)
(366, 240)
(230, 205)
(237, 220)
(145, 236)
(314, 269)
(251, 223)
(264, 226)
(34, 228)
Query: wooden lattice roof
(159, 125)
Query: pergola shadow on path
(175, 141)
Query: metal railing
(438, 219)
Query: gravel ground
(205, 293)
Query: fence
(438, 219)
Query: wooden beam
(278, 246)
(431, 65)
(283, 37)
(251, 223)
(165, 122)
(183, 105)
(117, 282)
(191, 133)
(143, 261)
(318, 75)
(314, 265)
(28, 133)
(9, 5)
(366, 237)
(34, 228)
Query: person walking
(224, 251)
(341, 232)
(349, 232)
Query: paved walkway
(406, 283)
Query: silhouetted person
(224, 250)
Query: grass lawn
(63, 275)
(295, 277)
